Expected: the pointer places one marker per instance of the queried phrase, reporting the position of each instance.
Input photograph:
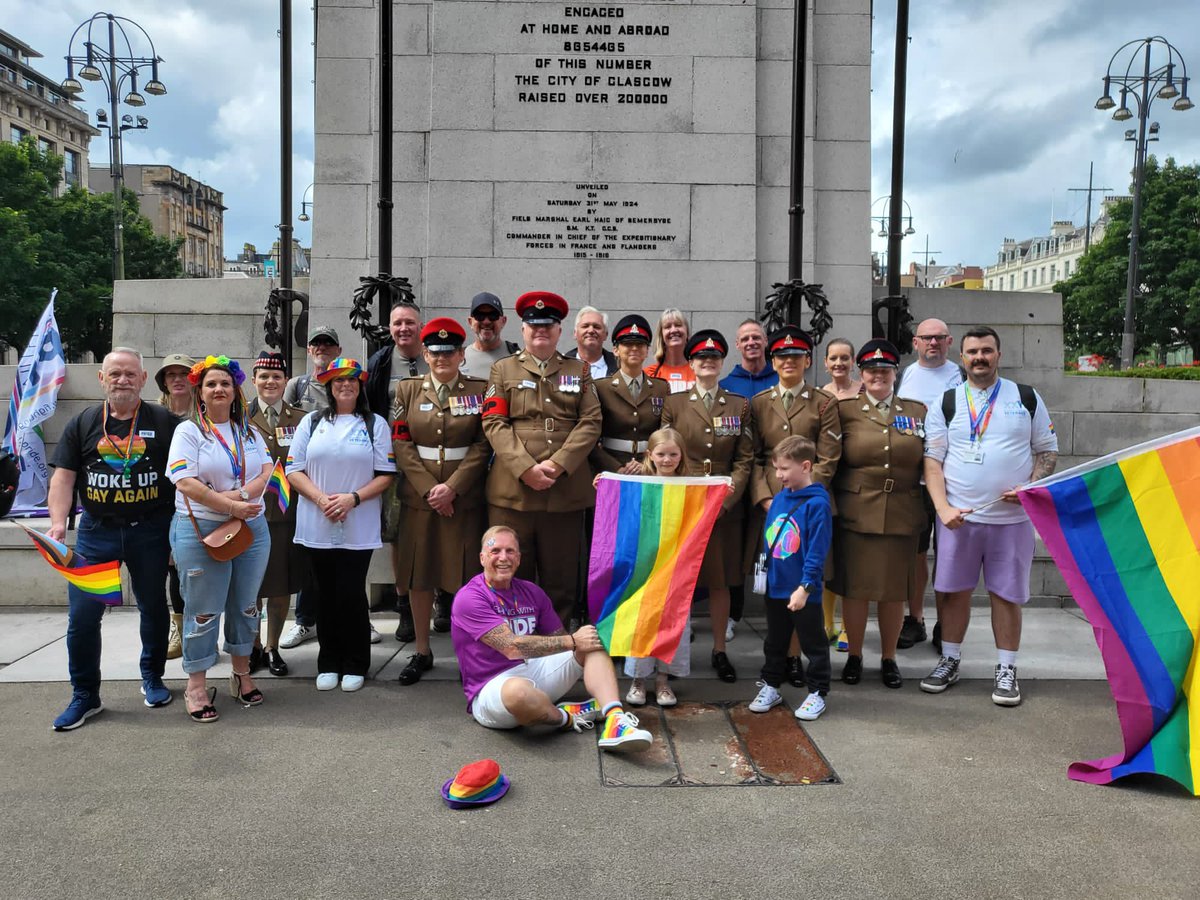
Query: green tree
(1167, 306)
(66, 243)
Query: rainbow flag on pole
(1125, 533)
(102, 582)
(647, 547)
(278, 485)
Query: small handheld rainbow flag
(649, 541)
(278, 485)
(1125, 532)
(101, 582)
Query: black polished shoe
(852, 671)
(417, 664)
(912, 632)
(405, 631)
(890, 672)
(724, 667)
(441, 611)
(795, 672)
(258, 659)
(936, 641)
(275, 663)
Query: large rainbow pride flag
(1125, 533)
(101, 582)
(647, 547)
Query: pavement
(335, 795)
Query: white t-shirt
(197, 455)
(1007, 448)
(339, 457)
(927, 384)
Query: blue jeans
(143, 547)
(211, 588)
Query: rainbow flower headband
(197, 371)
(342, 367)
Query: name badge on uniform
(146, 433)
(284, 434)
(727, 426)
(525, 385)
(569, 384)
(426, 407)
(973, 455)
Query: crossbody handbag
(760, 566)
(228, 540)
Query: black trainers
(911, 632)
(418, 664)
(441, 611)
(405, 631)
(936, 640)
(725, 669)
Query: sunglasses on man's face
(481, 316)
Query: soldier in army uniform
(716, 426)
(440, 448)
(880, 506)
(631, 402)
(542, 418)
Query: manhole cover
(714, 744)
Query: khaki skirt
(287, 566)
(722, 566)
(438, 552)
(874, 567)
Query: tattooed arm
(528, 646)
(1043, 464)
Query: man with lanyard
(998, 437)
(120, 450)
(926, 380)
(487, 320)
(304, 391)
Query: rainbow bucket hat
(476, 784)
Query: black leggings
(173, 589)
(343, 622)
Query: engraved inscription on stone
(587, 220)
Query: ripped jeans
(211, 588)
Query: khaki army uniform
(530, 416)
(719, 441)
(287, 564)
(878, 492)
(627, 423)
(438, 443)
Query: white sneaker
(637, 693)
(621, 733)
(729, 630)
(767, 697)
(812, 707)
(327, 681)
(376, 637)
(296, 635)
(351, 683)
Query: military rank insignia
(466, 405)
(727, 426)
(570, 384)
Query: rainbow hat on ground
(476, 784)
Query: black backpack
(950, 400)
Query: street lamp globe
(133, 98)
(71, 86)
(90, 73)
(155, 87)
(1123, 114)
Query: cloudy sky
(1000, 117)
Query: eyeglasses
(322, 342)
(486, 316)
(932, 338)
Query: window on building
(1025, 279)
(71, 166)
(1043, 274)
(1053, 273)
(16, 134)
(44, 145)
(1066, 268)
(1011, 281)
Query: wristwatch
(809, 587)
(243, 494)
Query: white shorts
(552, 675)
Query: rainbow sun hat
(340, 368)
(476, 784)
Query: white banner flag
(40, 374)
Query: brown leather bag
(228, 540)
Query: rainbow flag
(278, 485)
(101, 582)
(647, 547)
(1125, 533)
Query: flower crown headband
(198, 370)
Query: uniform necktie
(635, 387)
(443, 391)
(787, 400)
(708, 400)
(272, 417)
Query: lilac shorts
(1003, 552)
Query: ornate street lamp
(305, 203)
(1153, 83)
(114, 69)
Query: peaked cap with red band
(632, 329)
(541, 308)
(789, 341)
(706, 342)
(443, 335)
(878, 352)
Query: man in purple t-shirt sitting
(517, 659)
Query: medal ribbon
(124, 455)
(978, 427)
(237, 456)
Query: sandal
(205, 714)
(250, 698)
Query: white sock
(1006, 657)
(566, 718)
(952, 650)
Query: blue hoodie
(741, 382)
(799, 555)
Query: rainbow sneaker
(621, 733)
(580, 716)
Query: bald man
(926, 380)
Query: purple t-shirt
(477, 609)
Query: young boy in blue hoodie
(796, 542)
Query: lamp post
(114, 69)
(1145, 87)
(305, 203)
(896, 224)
